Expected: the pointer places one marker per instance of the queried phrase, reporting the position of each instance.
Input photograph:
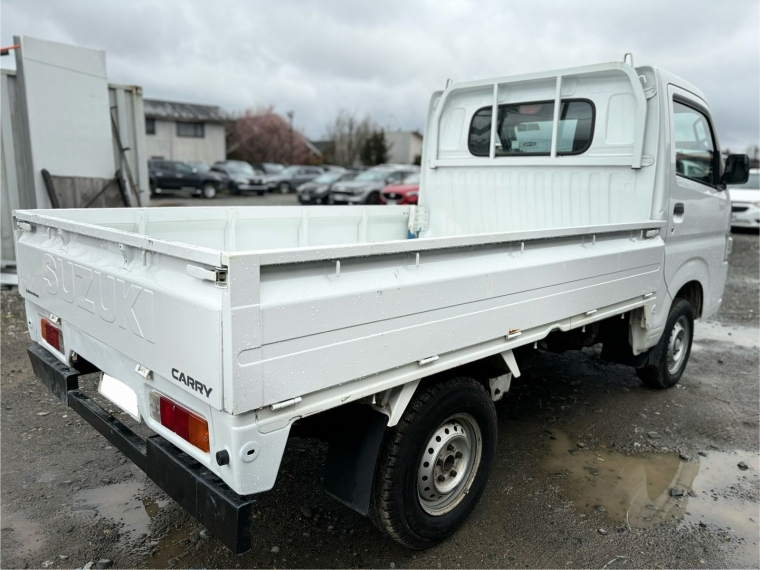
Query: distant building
(405, 146)
(184, 131)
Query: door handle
(678, 210)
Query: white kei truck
(557, 210)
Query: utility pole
(290, 120)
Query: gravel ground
(585, 461)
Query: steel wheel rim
(449, 464)
(284, 188)
(209, 191)
(678, 344)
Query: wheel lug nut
(450, 447)
(458, 455)
(453, 473)
(441, 478)
(439, 463)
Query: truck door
(698, 208)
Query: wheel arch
(690, 282)
(692, 292)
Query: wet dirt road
(585, 465)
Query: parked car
(318, 190)
(242, 177)
(389, 332)
(745, 202)
(171, 176)
(366, 187)
(406, 192)
(292, 177)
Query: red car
(404, 193)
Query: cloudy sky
(385, 58)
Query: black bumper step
(205, 496)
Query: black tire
(396, 507)
(373, 199)
(663, 372)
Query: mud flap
(351, 458)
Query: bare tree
(347, 135)
(261, 135)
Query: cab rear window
(526, 129)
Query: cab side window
(694, 143)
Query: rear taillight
(52, 335)
(186, 424)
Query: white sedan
(745, 202)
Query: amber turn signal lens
(189, 426)
(52, 334)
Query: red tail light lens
(187, 425)
(52, 334)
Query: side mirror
(737, 169)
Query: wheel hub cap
(448, 464)
(678, 344)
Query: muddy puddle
(645, 490)
(127, 504)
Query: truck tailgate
(121, 307)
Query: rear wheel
(672, 352)
(434, 464)
(284, 187)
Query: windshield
(369, 175)
(272, 168)
(199, 166)
(753, 182)
(412, 179)
(328, 177)
(240, 168)
(290, 170)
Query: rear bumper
(204, 495)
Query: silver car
(366, 187)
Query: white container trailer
(592, 209)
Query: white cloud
(385, 58)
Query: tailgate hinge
(218, 275)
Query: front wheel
(434, 465)
(208, 191)
(284, 187)
(672, 353)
